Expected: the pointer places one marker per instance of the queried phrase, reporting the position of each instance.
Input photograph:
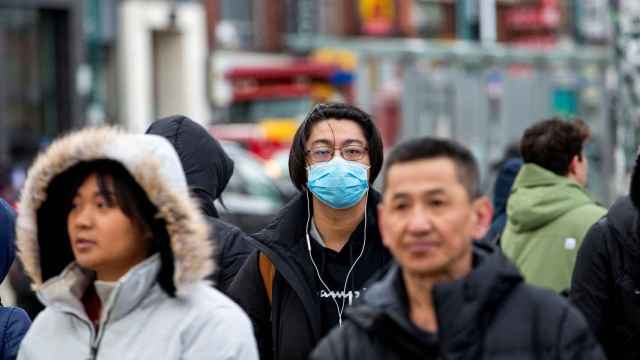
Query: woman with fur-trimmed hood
(117, 252)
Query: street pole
(488, 21)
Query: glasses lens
(321, 154)
(353, 152)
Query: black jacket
(606, 280)
(293, 325)
(489, 314)
(208, 170)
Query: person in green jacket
(549, 210)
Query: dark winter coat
(501, 191)
(293, 325)
(606, 280)
(489, 314)
(14, 322)
(208, 170)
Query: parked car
(278, 169)
(251, 198)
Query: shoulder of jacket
(49, 321)
(586, 214)
(16, 314)
(217, 313)
(593, 208)
(205, 299)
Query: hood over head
(207, 166)
(539, 197)
(7, 238)
(152, 163)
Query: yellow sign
(279, 129)
(345, 59)
(376, 10)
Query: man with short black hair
(318, 254)
(549, 210)
(448, 297)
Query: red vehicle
(267, 102)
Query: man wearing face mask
(314, 259)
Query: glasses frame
(308, 152)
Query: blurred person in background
(449, 297)
(549, 210)
(314, 259)
(606, 280)
(117, 251)
(208, 169)
(14, 322)
(501, 190)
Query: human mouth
(422, 246)
(82, 244)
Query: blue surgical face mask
(338, 183)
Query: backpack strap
(267, 272)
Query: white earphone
(346, 280)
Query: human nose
(419, 221)
(82, 217)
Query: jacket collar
(65, 290)
(461, 305)
(283, 241)
(285, 232)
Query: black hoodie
(606, 280)
(300, 315)
(489, 314)
(208, 170)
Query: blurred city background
(479, 71)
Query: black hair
(123, 192)
(426, 148)
(338, 111)
(552, 143)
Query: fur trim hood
(155, 166)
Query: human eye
(321, 153)
(353, 152)
(436, 203)
(101, 203)
(400, 205)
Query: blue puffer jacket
(14, 322)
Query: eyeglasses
(350, 152)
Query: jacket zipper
(92, 330)
(95, 345)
